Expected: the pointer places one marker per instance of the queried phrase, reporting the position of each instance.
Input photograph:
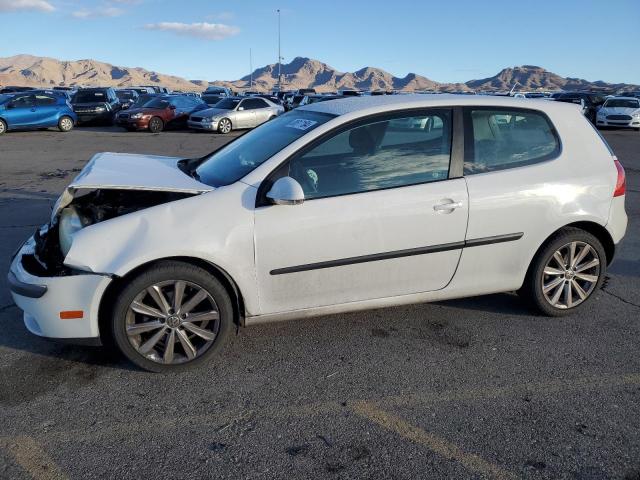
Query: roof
(383, 103)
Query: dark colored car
(127, 97)
(10, 89)
(293, 102)
(96, 105)
(34, 110)
(212, 98)
(160, 112)
(592, 102)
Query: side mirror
(240, 109)
(286, 191)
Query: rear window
(499, 139)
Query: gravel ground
(474, 388)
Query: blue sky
(447, 41)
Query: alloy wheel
(225, 125)
(570, 275)
(172, 322)
(66, 124)
(3, 127)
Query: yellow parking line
(438, 445)
(30, 455)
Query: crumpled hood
(124, 171)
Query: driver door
(381, 217)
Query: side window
(45, 100)
(22, 101)
(396, 152)
(501, 139)
(253, 103)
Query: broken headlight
(70, 222)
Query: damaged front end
(80, 209)
(109, 186)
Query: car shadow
(502, 303)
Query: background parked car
(96, 105)
(591, 102)
(293, 102)
(10, 89)
(160, 112)
(142, 90)
(30, 110)
(309, 99)
(235, 113)
(212, 98)
(127, 97)
(215, 90)
(620, 112)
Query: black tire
(166, 272)
(156, 125)
(3, 127)
(532, 290)
(65, 124)
(225, 126)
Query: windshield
(227, 103)
(237, 159)
(90, 96)
(211, 99)
(157, 103)
(125, 95)
(622, 103)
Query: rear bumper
(617, 222)
(43, 298)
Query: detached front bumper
(203, 125)
(44, 301)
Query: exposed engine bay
(53, 241)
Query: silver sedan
(233, 113)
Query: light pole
(279, 56)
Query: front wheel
(3, 126)
(156, 125)
(65, 124)
(172, 316)
(565, 273)
(225, 126)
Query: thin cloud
(207, 31)
(98, 13)
(15, 5)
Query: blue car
(33, 110)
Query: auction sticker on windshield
(301, 124)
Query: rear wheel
(3, 126)
(565, 273)
(65, 124)
(225, 126)
(171, 317)
(156, 125)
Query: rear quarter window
(499, 139)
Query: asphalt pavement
(473, 388)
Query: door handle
(447, 207)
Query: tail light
(621, 182)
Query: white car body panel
(609, 116)
(223, 227)
(349, 226)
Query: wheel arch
(593, 228)
(118, 283)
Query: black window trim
(456, 158)
(469, 143)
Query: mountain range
(301, 72)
